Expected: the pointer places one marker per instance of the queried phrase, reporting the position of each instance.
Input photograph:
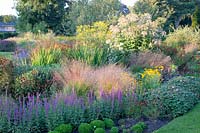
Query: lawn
(189, 123)
(8, 55)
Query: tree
(196, 17)
(86, 12)
(8, 18)
(174, 11)
(144, 6)
(41, 15)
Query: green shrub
(85, 128)
(5, 35)
(100, 130)
(186, 83)
(64, 128)
(6, 75)
(139, 127)
(171, 101)
(37, 80)
(114, 130)
(7, 46)
(109, 123)
(97, 124)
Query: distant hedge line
(5, 35)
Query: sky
(6, 6)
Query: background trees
(41, 15)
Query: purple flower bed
(35, 114)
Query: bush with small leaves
(64, 128)
(100, 130)
(139, 127)
(114, 130)
(85, 128)
(109, 123)
(6, 75)
(97, 124)
(171, 100)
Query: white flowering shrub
(134, 33)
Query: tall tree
(174, 10)
(196, 16)
(37, 15)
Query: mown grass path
(189, 123)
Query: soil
(152, 125)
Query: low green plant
(37, 80)
(109, 123)
(114, 130)
(172, 100)
(85, 128)
(139, 127)
(97, 124)
(187, 83)
(100, 130)
(64, 128)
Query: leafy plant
(100, 130)
(139, 127)
(64, 128)
(37, 80)
(43, 56)
(171, 100)
(92, 55)
(109, 123)
(114, 130)
(97, 124)
(6, 75)
(85, 128)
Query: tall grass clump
(82, 79)
(45, 53)
(91, 55)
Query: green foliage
(97, 124)
(109, 123)
(139, 127)
(85, 128)
(93, 34)
(114, 130)
(100, 130)
(196, 17)
(8, 18)
(5, 35)
(37, 80)
(171, 100)
(6, 75)
(64, 128)
(92, 55)
(174, 11)
(86, 12)
(44, 15)
(7, 46)
(45, 56)
(188, 83)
